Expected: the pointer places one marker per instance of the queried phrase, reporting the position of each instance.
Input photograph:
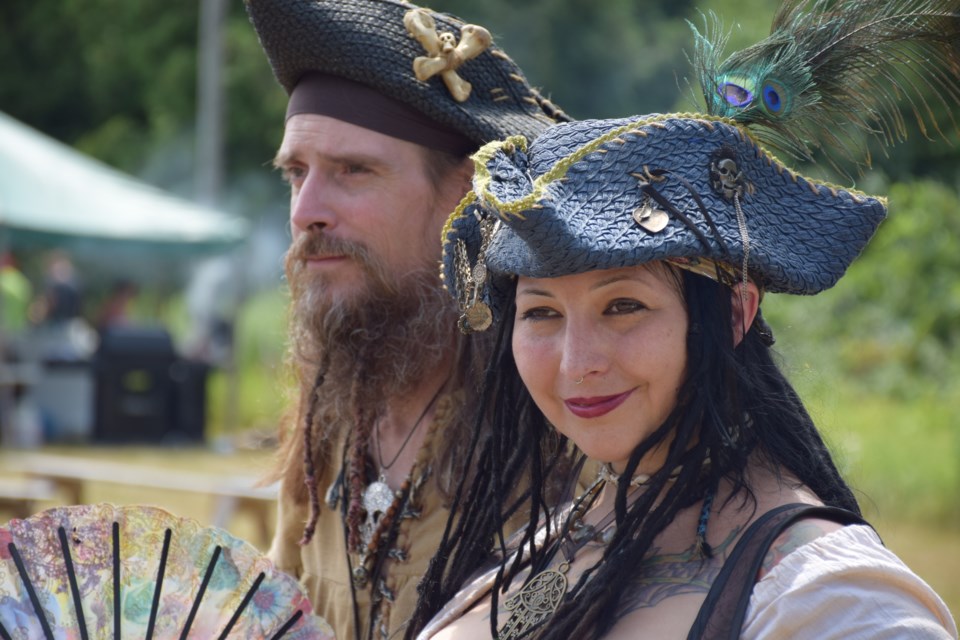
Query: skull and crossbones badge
(726, 178)
(444, 54)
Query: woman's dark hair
(733, 403)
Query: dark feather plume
(833, 73)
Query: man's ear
(455, 185)
(745, 300)
(464, 175)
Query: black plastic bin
(145, 393)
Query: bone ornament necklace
(378, 497)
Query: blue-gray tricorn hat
(695, 190)
(449, 71)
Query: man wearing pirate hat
(387, 101)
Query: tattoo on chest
(672, 574)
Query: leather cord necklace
(378, 497)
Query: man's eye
(292, 175)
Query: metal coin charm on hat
(650, 218)
(478, 317)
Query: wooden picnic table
(69, 475)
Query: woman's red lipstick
(595, 406)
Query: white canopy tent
(52, 195)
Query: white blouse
(847, 585)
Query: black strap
(721, 616)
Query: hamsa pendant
(535, 602)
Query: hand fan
(110, 573)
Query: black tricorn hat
(386, 44)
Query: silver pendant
(537, 601)
(377, 498)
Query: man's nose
(311, 206)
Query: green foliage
(875, 358)
(892, 324)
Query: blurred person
(115, 309)
(213, 298)
(61, 299)
(386, 102)
(15, 295)
(624, 262)
(61, 332)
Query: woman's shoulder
(771, 491)
(844, 583)
(800, 533)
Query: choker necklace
(607, 473)
(378, 497)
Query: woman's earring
(579, 380)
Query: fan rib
(22, 570)
(4, 633)
(243, 605)
(72, 577)
(156, 593)
(200, 592)
(292, 621)
(116, 581)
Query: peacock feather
(834, 73)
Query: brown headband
(366, 107)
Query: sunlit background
(188, 279)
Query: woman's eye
(618, 307)
(538, 313)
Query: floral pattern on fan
(61, 571)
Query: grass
(903, 460)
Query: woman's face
(623, 331)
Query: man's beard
(372, 344)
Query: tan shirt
(322, 567)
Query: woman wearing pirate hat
(622, 263)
